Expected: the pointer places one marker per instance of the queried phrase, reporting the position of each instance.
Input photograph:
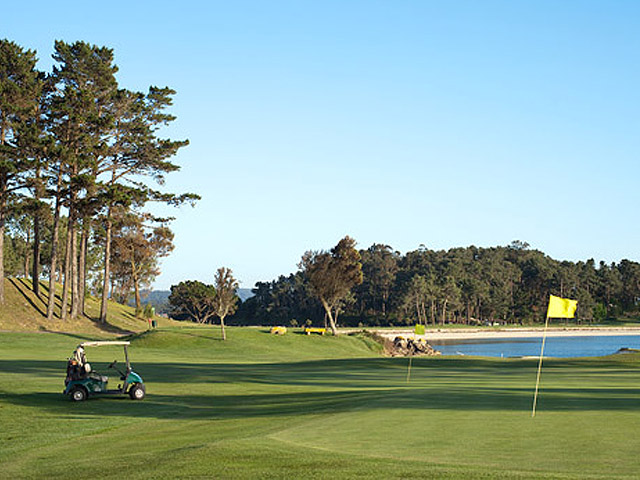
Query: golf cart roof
(102, 344)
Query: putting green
(263, 406)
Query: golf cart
(82, 381)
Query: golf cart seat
(97, 376)
(89, 371)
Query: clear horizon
(444, 124)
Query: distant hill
(159, 299)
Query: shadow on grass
(307, 388)
(22, 288)
(39, 303)
(109, 328)
(82, 337)
(106, 327)
(343, 373)
(183, 405)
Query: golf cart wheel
(137, 392)
(78, 394)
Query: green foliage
(379, 269)
(137, 248)
(599, 312)
(193, 300)
(19, 91)
(149, 311)
(332, 275)
(75, 139)
(275, 302)
(460, 286)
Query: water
(565, 347)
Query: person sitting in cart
(78, 367)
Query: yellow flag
(561, 307)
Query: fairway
(297, 406)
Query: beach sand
(506, 332)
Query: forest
(81, 162)
(474, 286)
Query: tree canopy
(78, 153)
(471, 285)
(193, 300)
(332, 275)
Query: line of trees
(469, 285)
(330, 277)
(78, 158)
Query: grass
(297, 406)
(25, 311)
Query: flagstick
(409, 370)
(535, 395)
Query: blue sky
(447, 123)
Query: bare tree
(225, 301)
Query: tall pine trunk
(136, 287)
(107, 268)
(135, 280)
(75, 301)
(433, 312)
(64, 310)
(82, 265)
(27, 254)
(51, 301)
(444, 311)
(3, 203)
(3, 212)
(27, 261)
(35, 268)
(2, 254)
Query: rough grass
(25, 311)
(297, 406)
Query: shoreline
(480, 333)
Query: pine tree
(18, 97)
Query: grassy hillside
(297, 406)
(24, 311)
